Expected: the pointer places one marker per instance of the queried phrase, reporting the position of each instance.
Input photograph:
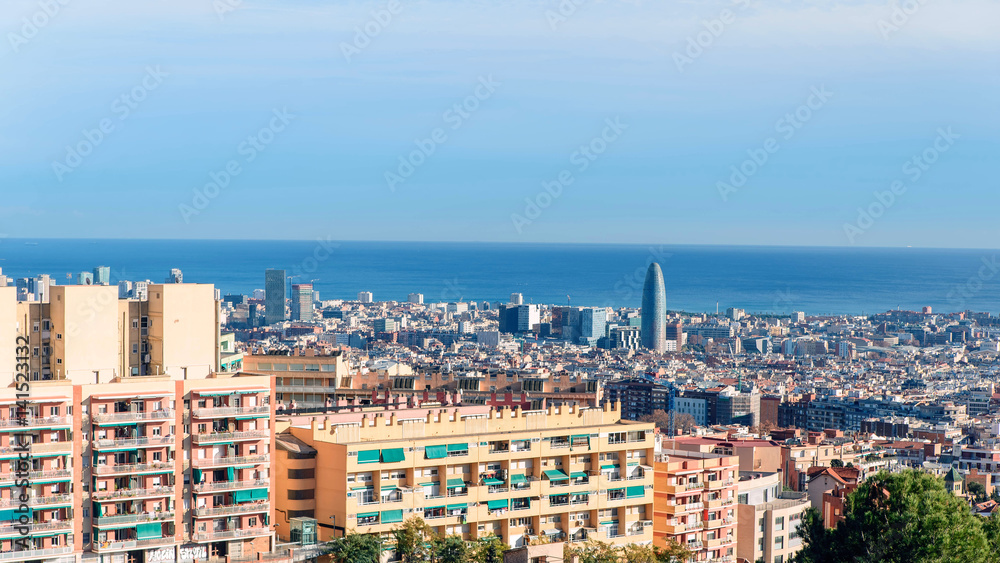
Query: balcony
(682, 508)
(104, 547)
(39, 448)
(38, 527)
(222, 412)
(718, 484)
(133, 493)
(48, 475)
(215, 437)
(247, 508)
(229, 534)
(719, 542)
(231, 460)
(675, 528)
(143, 441)
(717, 503)
(35, 553)
(133, 518)
(132, 416)
(152, 467)
(36, 422)
(38, 501)
(231, 486)
(685, 488)
(718, 523)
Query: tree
(357, 548)
(683, 422)
(978, 491)
(634, 553)
(658, 417)
(450, 549)
(906, 517)
(489, 550)
(593, 551)
(412, 540)
(673, 552)
(836, 463)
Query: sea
(758, 279)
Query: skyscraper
(302, 302)
(102, 275)
(176, 276)
(274, 296)
(654, 310)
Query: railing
(231, 460)
(37, 501)
(130, 518)
(717, 523)
(131, 544)
(232, 509)
(36, 421)
(35, 553)
(39, 447)
(230, 436)
(40, 475)
(231, 411)
(162, 414)
(231, 485)
(132, 468)
(103, 443)
(133, 493)
(38, 527)
(229, 534)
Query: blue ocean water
(758, 279)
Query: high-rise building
(274, 296)
(415, 298)
(516, 319)
(516, 299)
(654, 310)
(102, 275)
(365, 296)
(593, 323)
(176, 276)
(124, 289)
(85, 278)
(302, 302)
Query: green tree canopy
(356, 548)
(906, 517)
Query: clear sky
(688, 88)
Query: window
(779, 542)
(311, 474)
(305, 494)
(779, 523)
(744, 498)
(779, 559)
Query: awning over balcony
(393, 455)
(392, 516)
(496, 504)
(149, 530)
(436, 452)
(368, 456)
(556, 475)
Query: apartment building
(87, 335)
(566, 473)
(768, 519)
(695, 503)
(134, 471)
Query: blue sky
(212, 80)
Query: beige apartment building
(769, 519)
(139, 450)
(695, 503)
(566, 473)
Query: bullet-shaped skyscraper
(654, 310)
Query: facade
(274, 296)
(302, 302)
(365, 297)
(768, 519)
(638, 397)
(697, 408)
(654, 310)
(593, 324)
(415, 298)
(567, 473)
(695, 503)
(102, 275)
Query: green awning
(258, 494)
(518, 479)
(578, 475)
(149, 530)
(608, 523)
(455, 483)
(556, 475)
(462, 506)
(609, 466)
(196, 475)
(393, 455)
(253, 416)
(368, 515)
(429, 484)
(230, 473)
(242, 496)
(387, 488)
(368, 456)
(637, 491)
(577, 436)
(492, 481)
(436, 452)
(392, 516)
(616, 490)
(215, 393)
(362, 488)
(458, 447)
(129, 423)
(496, 504)
(431, 508)
(632, 463)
